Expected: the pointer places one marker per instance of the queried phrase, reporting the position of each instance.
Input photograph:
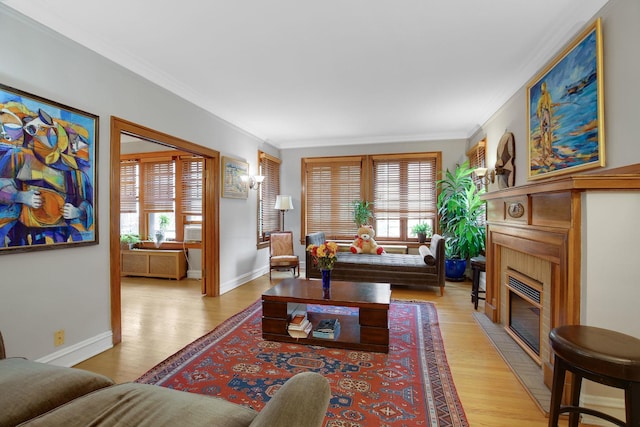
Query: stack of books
(299, 325)
(327, 329)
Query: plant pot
(454, 269)
(422, 237)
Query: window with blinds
(129, 197)
(404, 193)
(401, 187)
(477, 159)
(160, 184)
(268, 217)
(332, 185)
(129, 186)
(191, 184)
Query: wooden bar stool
(478, 264)
(599, 355)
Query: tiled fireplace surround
(535, 229)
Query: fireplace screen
(524, 314)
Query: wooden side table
(478, 264)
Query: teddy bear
(364, 242)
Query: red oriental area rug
(410, 386)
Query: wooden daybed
(423, 269)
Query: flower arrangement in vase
(324, 256)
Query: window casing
(268, 217)
(404, 194)
(159, 184)
(477, 159)
(129, 197)
(402, 188)
(331, 185)
(159, 177)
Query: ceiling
(300, 73)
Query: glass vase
(326, 280)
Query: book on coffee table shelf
(327, 329)
(300, 331)
(299, 325)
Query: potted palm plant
(461, 211)
(422, 230)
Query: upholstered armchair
(281, 253)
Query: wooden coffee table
(367, 330)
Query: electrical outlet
(58, 337)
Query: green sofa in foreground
(38, 394)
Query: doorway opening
(210, 214)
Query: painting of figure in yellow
(565, 120)
(47, 173)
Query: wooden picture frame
(565, 120)
(48, 174)
(233, 186)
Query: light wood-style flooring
(159, 317)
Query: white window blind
(405, 193)
(268, 217)
(331, 187)
(129, 186)
(159, 185)
(191, 185)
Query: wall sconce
(484, 175)
(254, 181)
(283, 203)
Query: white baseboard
(608, 405)
(241, 280)
(81, 351)
(194, 274)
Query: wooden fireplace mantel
(544, 219)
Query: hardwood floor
(159, 317)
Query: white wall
(43, 291)
(609, 290)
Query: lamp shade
(283, 203)
(481, 172)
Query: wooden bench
(166, 264)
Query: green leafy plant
(362, 212)
(421, 228)
(129, 238)
(461, 210)
(164, 222)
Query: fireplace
(524, 312)
(540, 230)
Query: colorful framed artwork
(232, 184)
(48, 174)
(565, 119)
